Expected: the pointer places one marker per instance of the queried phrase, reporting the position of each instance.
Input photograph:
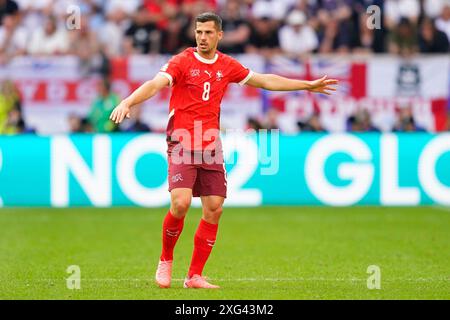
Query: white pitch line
(260, 279)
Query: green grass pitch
(261, 253)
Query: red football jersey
(198, 86)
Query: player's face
(207, 36)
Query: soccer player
(198, 78)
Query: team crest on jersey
(195, 72)
(219, 75)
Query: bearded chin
(209, 49)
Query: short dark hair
(210, 16)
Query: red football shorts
(203, 177)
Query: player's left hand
(323, 85)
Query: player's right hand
(323, 85)
(120, 112)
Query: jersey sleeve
(239, 73)
(172, 70)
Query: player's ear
(220, 35)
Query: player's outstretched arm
(144, 92)
(274, 82)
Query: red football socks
(172, 228)
(204, 240)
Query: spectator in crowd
(34, 12)
(161, 12)
(272, 117)
(310, 9)
(331, 40)
(128, 7)
(236, 30)
(402, 39)
(15, 123)
(405, 121)
(335, 17)
(111, 34)
(254, 124)
(13, 38)
(433, 8)
(263, 37)
(297, 37)
(93, 9)
(50, 39)
(7, 7)
(367, 36)
(135, 123)
(365, 41)
(312, 124)
(85, 45)
(78, 124)
(273, 9)
(406, 124)
(75, 123)
(171, 22)
(190, 10)
(11, 120)
(86, 126)
(142, 37)
(102, 107)
(432, 40)
(9, 99)
(443, 21)
(171, 42)
(360, 122)
(361, 6)
(101, 65)
(396, 10)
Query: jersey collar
(208, 61)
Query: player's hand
(323, 85)
(120, 112)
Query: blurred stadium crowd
(118, 28)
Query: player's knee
(180, 206)
(212, 214)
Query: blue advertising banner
(263, 169)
